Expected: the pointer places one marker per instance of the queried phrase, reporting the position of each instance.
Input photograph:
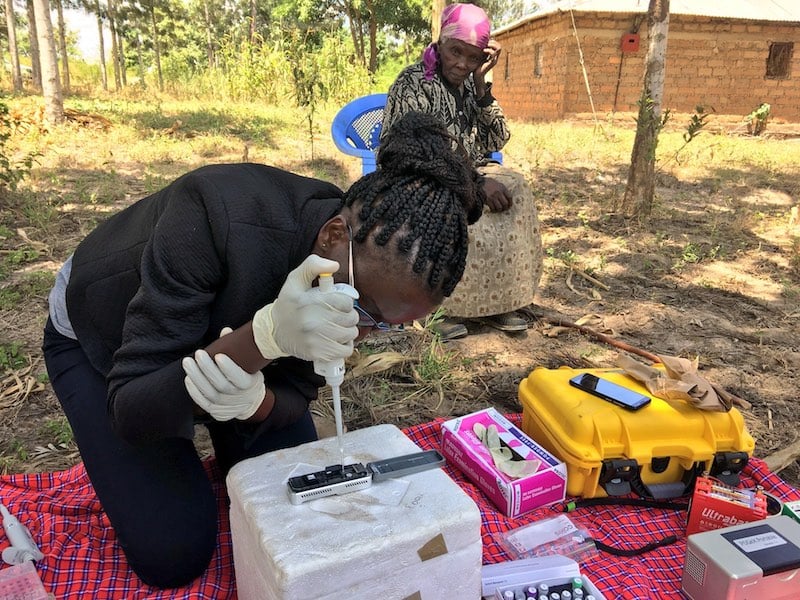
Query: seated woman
(137, 310)
(504, 263)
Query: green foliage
(435, 363)
(245, 52)
(247, 72)
(693, 253)
(30, 286)
(20, 256)
(696, 123)
(647, 115)
(505, 12)
(58, 430)
(568, 257)
(341, 77)
(11, 171)
(756, 121)
(11, 357)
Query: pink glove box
(546, 483)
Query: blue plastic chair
(356, 129)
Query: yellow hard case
(609, 450)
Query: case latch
(616, 475)
(726, 466)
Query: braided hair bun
(422, 197)
(419, 144)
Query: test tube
(590, 597)
(508, 595)
(555, 596)
(566, 595)
(544, 589)
(520, 595)
(577, 583)
(577, 593)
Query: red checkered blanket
(654, 575)
(84, 560)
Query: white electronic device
(337, 480)
(753, 560)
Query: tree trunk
(102, 46)
(156, 46)
(209, 36)
(436, 18)
(356, 32)
(51, 86)
(112, 25)
(373, 37)
(62, 44)
(140, 61)
(640, 189)
(252, 22)
(123, 70)
(36, 69)
(16, 71)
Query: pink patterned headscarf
(465, 22)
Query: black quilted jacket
(161, 278)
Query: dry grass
(715, 273)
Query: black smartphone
(608, 390)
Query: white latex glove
(501, 455)
(221, 387)
(305, 322)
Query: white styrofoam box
(426, 546)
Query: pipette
(333, 372)
(18, 535)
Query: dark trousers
(157, 496)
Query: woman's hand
(304, 323)
(497, 197)
(221, 387)
(492, 52)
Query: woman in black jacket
(137, 311)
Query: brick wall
(717, 63)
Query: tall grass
(538, 147)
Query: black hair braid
(425, 194)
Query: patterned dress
(504, 261)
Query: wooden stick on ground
(589, 278)
(601, 337)
(781, 459)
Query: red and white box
(715, 505)
(513, 496)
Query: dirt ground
(715, 275)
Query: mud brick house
(731, 55)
